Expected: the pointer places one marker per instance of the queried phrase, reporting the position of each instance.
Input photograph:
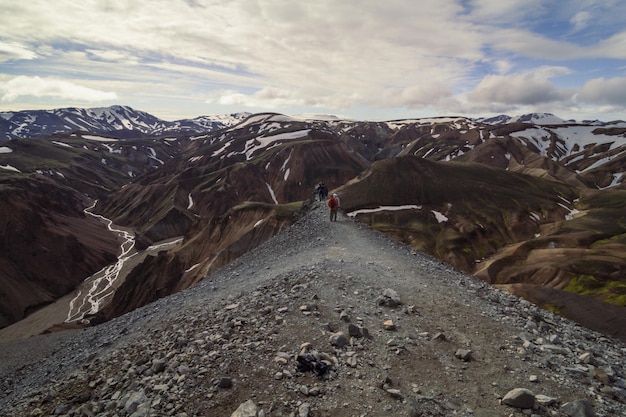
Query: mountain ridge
(126, 122)
(120, 121)
(397, 331)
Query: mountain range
(533, 204)
(119, 121)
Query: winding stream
(95, 290)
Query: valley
(533, 208)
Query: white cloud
(528, 88)
(270, 97)
(418, 95)
(327, 54)
(13, 50)
(604, 91)
(614, 47)
(47, 87)
(505, 11)
(580, 20)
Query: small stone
(545, 400)
(395, 393)
(82, 398)
(519, 398)
(533, 378)
(600, 375)
(586, 358)
(247, 409)
(354, 331)
(352, 361)
(578, 408)
(158, 365)
(343, 316)
(304, 409)
(389, 325)
(62, 409)
(440, 337)
(136, 398)
(464, 354)
(391, 297)
(338, 339)
(225, 382)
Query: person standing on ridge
(323, 191)
(333, 204)
(338, 200)
(317, 192)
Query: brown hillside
(48, 245)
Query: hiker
(338, 201)
(323, 191)
(317, 192)
(333, 204)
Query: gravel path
(451, 346)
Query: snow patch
(62, 144)
(264, 141)
(4, 149)
(99, 138)
(10, 168)
(384, 208)
(571, 212)
(269, 187)
(439, 216)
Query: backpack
(332, 203)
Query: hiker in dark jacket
(323, 190)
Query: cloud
(12, 51)
(48, 87)
(505, 11)
(270, 97)
(330, 54)
(416, 96)
(580, 20)
(613, 47)
(528, 88)
(603, 91)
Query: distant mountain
(533, 118)
(115, 121)
(536, 208)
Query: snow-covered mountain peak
(532, 118)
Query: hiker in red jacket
(333, 204)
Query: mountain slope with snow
(116, 121)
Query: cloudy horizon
(366, 60)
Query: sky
(359, 59)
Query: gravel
(418, 338)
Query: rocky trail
(325, 319)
